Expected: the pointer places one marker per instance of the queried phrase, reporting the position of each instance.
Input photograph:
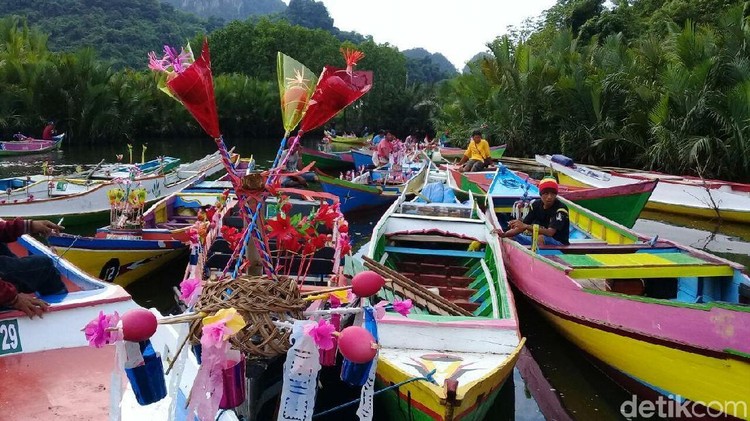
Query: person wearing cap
(549, 213)
(477, 154)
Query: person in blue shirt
(378, 137)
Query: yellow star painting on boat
(446, 366)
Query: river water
(566, 384)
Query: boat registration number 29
(10, 338)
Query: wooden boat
(353, 140)
(674, 194)
(373, 188)
(496, 152)
(28, 145)
(39, 358)
(327, 161)
(444, 258)
(77, 199)
(622, 204)
(362, 158)
(660, 317)
(155, 166)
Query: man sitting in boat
(292, 165)
(378, 137)
(20, 276)
(49, 131)
(477, 154)
(549, 213)
(384, 149)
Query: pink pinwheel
(103, 330)
(402, 307)
(321, 333)
(190, 290)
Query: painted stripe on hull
(668, 370)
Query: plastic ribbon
(300, 376)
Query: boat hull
(117, 260)
(687, 350)
(355, 197)
(327, 161)
(351, 140)
(682, 197)
(424, 401)
(28, 147)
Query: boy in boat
(383, 151)
(20, 277)
(292, 164)
(549, 213)
(477, 155)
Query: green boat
(330, 162)
(622, 204)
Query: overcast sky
(456, 28)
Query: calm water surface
(568, 387)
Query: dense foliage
(94, 103)
(228, 10)
(618, 87)
(121, 31)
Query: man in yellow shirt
(477, 154)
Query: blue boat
(507, 187)
(362, 158)
(372, 189)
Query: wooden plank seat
(640, 265)
(439, 280)
(434, 252)
(428, 267)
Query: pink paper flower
(402, 307)
(322, 333)
(190, 290)
(380, 309)
(213, 335)
(99, 331)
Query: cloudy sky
(456, 28)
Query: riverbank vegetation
(651, 84)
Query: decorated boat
(160, 165)
(136, 243)
(362, 158)
(496, 152)
(662, 318)
(375, 188)
(331, 162)
(352, 140)
(77, 199)
(674, 194)
(463, 328)
(24, 145)
(38, 356)
(622, 204)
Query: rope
(428, 377)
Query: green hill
(229, 10)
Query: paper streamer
(300, 376)
(367, 397)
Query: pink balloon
(355, 343)
(367, 283)
(138, 325)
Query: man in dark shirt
(549, 213)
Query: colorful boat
(76, 199)
(496, 152)
(161, 165)
(662, 318)
(43, 355)
(330, 162)
(373, 188)
(362, 158)
(622, 204)
(28, 145)
(444, 257)
(674, 194)
(352, 140)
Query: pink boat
(29, 145)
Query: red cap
(548, 183)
